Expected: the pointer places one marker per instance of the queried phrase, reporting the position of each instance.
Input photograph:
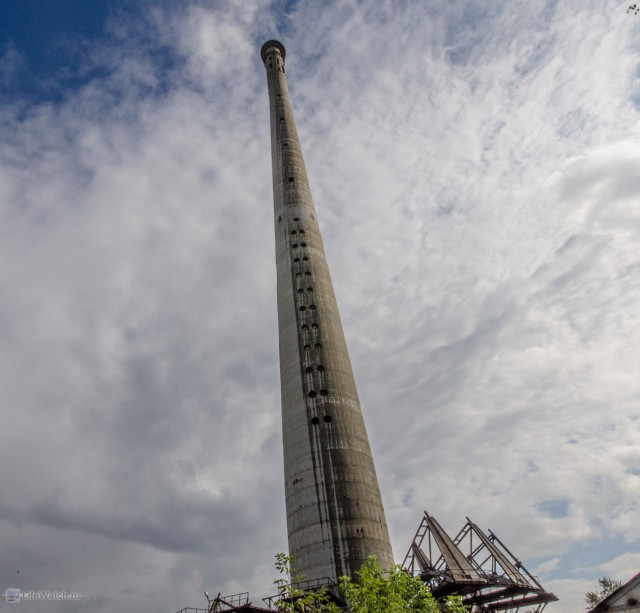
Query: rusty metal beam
(511, 571)
(457, 564)
(421, 558)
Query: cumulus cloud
(474, 170)
(622, 566)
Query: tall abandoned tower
(335, 517)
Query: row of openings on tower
(296, 232)
(310, 370)
(316, 420)
(314, 394)
(301, 245)
(285, 147)
(280, 68)
(291, 179)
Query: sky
(474, 166)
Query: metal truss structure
(236, 603)
(239, 603)
(476, 566)
(325, 585)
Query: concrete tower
(335, 517)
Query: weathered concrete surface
(335, 516)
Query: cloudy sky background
(475, 167)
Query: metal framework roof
(474, 565)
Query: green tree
(375, 591)
(607, 586)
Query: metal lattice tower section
(335, 517)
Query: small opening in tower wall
(305, 259)
(327, 419)
(314, 326)
(315, 421)
(294, 246)
(296, 219)
(291, 180)
(321, 368)
(312, 307)
(301, 231)
(307, 274)
(294, 231)
(312, 394)
(296, 259)
(305, 327)
(324, 393)
(303, 244)
(303, 308)
(318, 346)
(308, 369)
(307, 347)
(309, 289)
(281, 118)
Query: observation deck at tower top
(272, 43)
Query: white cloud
(549, 566)
(622, 567)
(474, 170)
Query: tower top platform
(272, 43)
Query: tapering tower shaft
(335, 516)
